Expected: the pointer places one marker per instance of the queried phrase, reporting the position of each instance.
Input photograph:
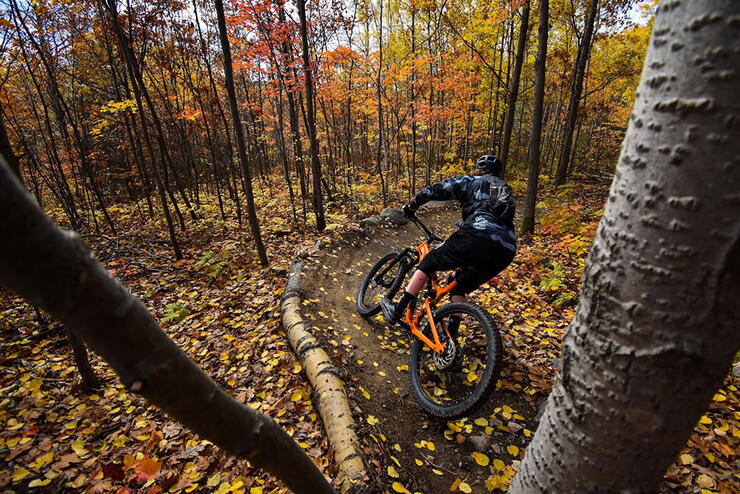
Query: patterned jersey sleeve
(446, 190)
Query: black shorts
(475, 259)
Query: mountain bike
(456, 353)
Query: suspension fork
(407, 254)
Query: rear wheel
(383, 280)
(453, 384)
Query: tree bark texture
(656, 326)
(56, 271)
(535, 135)
(254, 225)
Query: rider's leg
(393, 312)
(417, 282)
(454, 323)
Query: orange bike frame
(430, 304)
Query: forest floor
(223, 310)
(532, 302)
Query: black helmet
(489, 163)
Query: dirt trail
(374, 359)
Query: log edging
(330, 397)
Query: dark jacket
(487, 205)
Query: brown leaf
(147, 468)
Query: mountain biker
(483, 246)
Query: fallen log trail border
(330, 397)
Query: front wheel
(451, 385)
(383, 280)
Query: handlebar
(430, 236)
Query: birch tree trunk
(656, 326)
(56, 271)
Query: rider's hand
(408, 211)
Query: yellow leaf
(42, 460)
(430, 446)
(687, 459)
(480, 458)
(493, 482)
(214, 480)
(39, 482)
(256, 490)
(472, 377)
(371, 420)
(465, 488)
(79, 448)
(719, 397)
(705, 420)
(364, 393)
(418, 461)
(223, 488)
(437, 472)
(513, 450)
(392, 472)
(481, 422)
(296, 396)
(499, 465)
(455, 484)
(398, 487)
(20, 474)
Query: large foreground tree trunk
(656, 326)
(55, 270)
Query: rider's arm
(446, 190)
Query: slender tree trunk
(238, 132)
(379, 168)
(584, 50)
(111, 6)
(413, 100)
(536, 132)
(514, 87)
(311, 120)
(656, 326)
(494, 123)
